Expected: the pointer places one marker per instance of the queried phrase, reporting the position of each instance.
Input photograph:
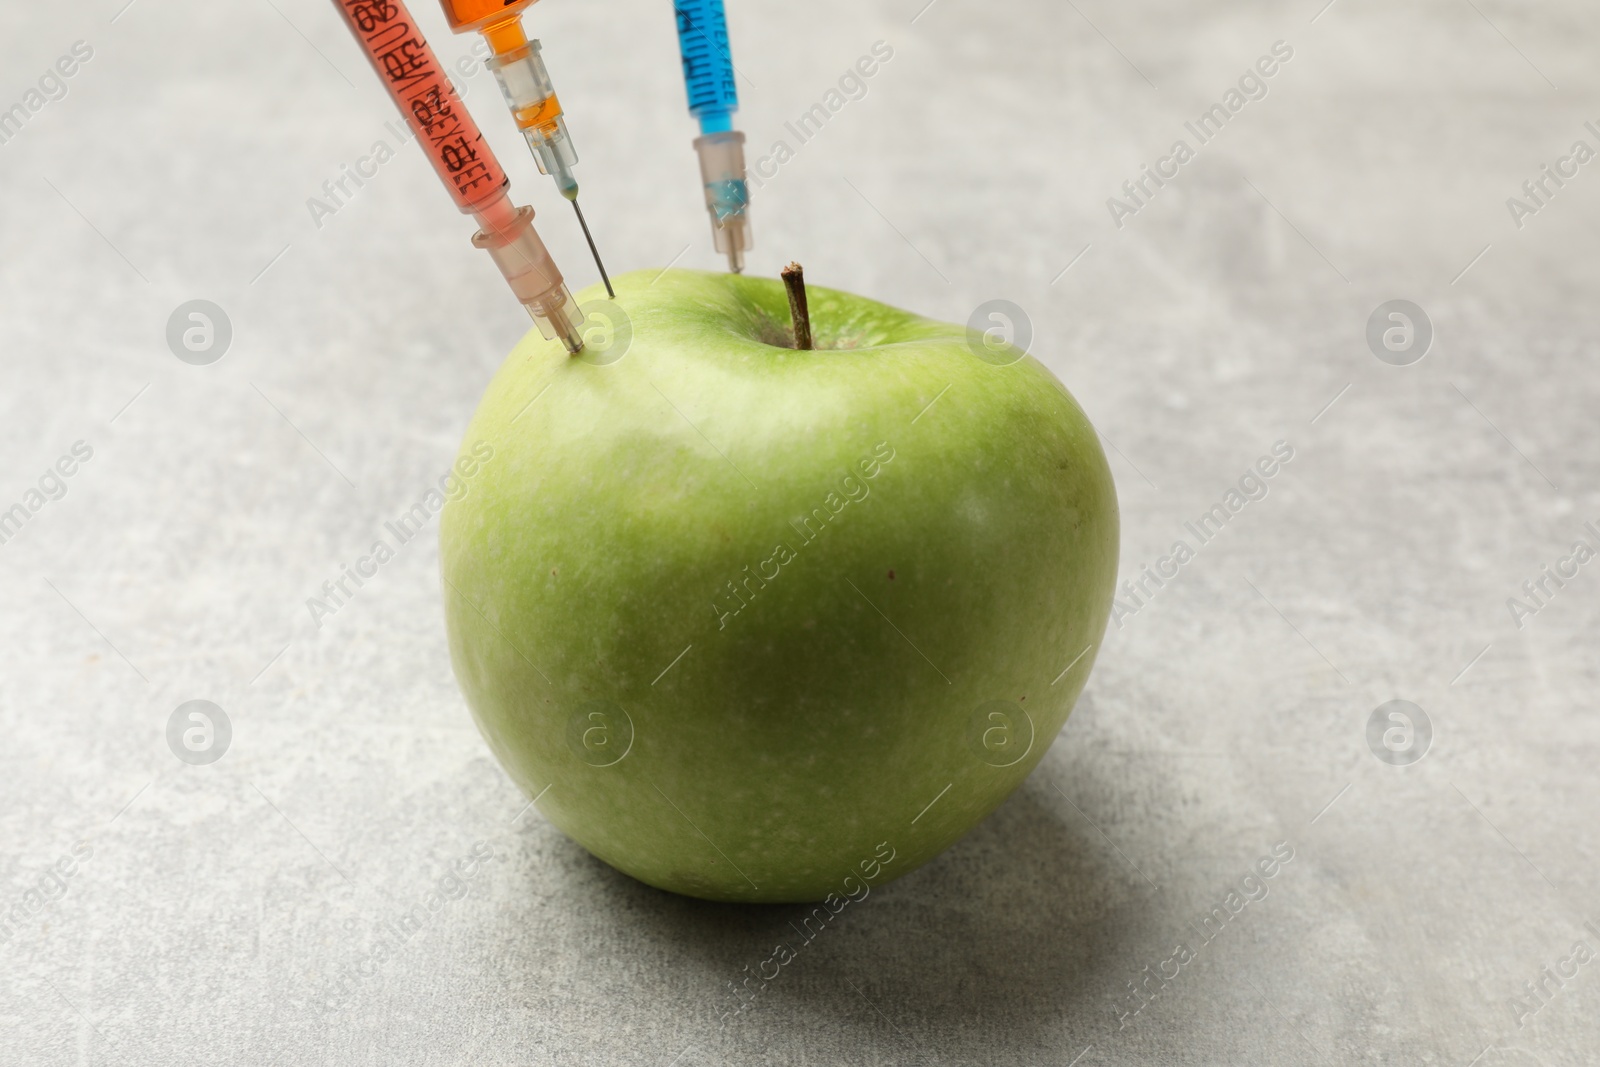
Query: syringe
(713, 98)
(445, 130)
(525, 83)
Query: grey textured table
(229, 913)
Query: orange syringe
(518, 67)
(455, 146)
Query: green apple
(752, 623)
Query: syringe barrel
(707, 63)
(466, 15)
(409, 71)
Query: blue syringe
(713, 98)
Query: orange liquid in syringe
(498, 20)
(540, 116)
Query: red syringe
(455, 146)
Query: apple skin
(833, 732)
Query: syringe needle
(593, 251)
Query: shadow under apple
(1020, 937)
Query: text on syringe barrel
(426, 99)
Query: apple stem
(794, 279)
